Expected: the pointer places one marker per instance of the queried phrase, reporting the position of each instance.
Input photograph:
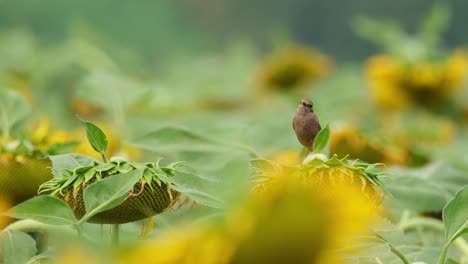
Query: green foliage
(425, 189)
(389, 35)
(322, 139)
(13, 110)
(44, 209)
(96, 137)
(456, 215)
(109, 193)
(175, 139)
(16, 247)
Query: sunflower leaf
(322, 139)
(108, 193)
(45, 209)
(16, 247)
(96, 137)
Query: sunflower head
(352, 142)
(292, 68)
(148, 197)
(287, 157)
(339, 197)
(396, 84)
(323, 173)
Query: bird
(306, 124)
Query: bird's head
(307, 104)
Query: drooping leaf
(96, 137)
(455, 215)
(13, 109)
(322, 139)
(45, 209)
(16, 247)
(109, 192)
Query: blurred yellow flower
(44, 136)
(182, 246)
(84, 109)
(295, 214)
(288, 157)
(291, 68)
(396, 84)
(344, 197)
(20, 176)
(350, 141)
(4, 206)
(76, 254)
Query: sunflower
(291, 68)
(397, 84)
(290, 217)
(287, 157)
(350, 141)
(183, 245)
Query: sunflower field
(162, 132)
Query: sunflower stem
(103, 156)
(115, 229)
(444, 253)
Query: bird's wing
(318, 123)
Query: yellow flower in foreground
(76, 254)
(286, 158)
(200, 244)
(396, 84)
(345, 197)
(352, 142)
(292, 68)
(295, 215)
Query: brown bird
(306, 124)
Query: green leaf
(124, 168)
(108, 193)
(45, 209)
(455, 215)
(322, 139)
(61, 148)
(62, 164)
(16, 247)
(176, 139)
(148, 176)
(13, 109)
(88, 175)
(96, 137)
(103, 167)
(425, 189)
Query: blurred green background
(157, 29)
